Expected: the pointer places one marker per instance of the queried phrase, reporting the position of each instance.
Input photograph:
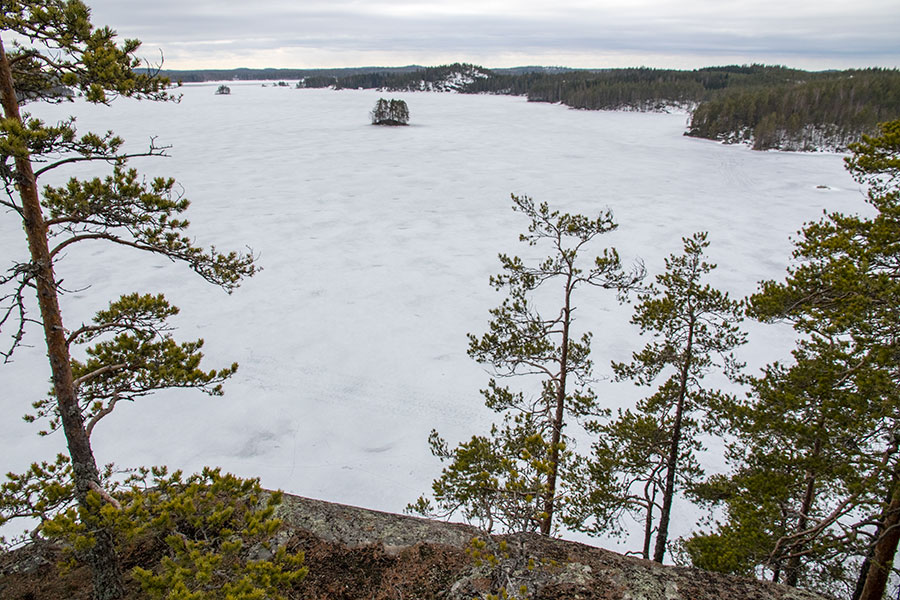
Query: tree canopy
(390, 112)
(813, 495)
(53, 47)
(515, 475)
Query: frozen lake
(376, 245)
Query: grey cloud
(822, 30)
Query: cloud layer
(495, 33)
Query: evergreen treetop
(390, 112)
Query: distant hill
(761, 105)
(201, 75)
(808, 111)
(765, 106)
(533, 69)
(243, 74)
(458, 77)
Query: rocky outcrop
(358, 527)
(354, 553)
(410, 550)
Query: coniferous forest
(770, 107)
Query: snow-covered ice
(376, 245)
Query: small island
(223, 90)
(390, 112)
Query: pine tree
(695, 330)
(56, 48)
(801, 452)
(393, 112)
(625, 474)
(381, 112)
(213, 535)
(399, 111)
(495, 480)
(522, 342)
(846, 286)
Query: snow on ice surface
(376, 245)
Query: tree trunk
(793, 566)
(648, 522)
(864, 570)
(559, 415)
(662, 533)
(867, 563)
(883, 552)
(102, 556)
(792, 571)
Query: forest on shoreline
(769, 107)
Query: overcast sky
(817, 34)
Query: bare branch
(24, 273)
(101, 413)
(153, 151)
(101, 371)
(105, 495)
(103, 236)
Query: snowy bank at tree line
(377, 244)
